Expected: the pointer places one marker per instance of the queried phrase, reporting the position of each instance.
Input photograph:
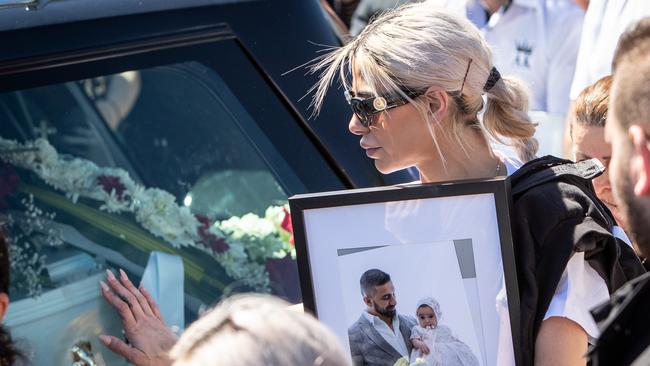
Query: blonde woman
(417, 80)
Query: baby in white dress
(434, 344)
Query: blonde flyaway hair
(419, 45)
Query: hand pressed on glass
(150, 340)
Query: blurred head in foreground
(257, 330)
(628, 128)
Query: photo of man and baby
(381, 336)
(415, 304)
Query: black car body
(131, 127)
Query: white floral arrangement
(240, 244)
(25, 261)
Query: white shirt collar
(373, 319)
(619, 233)
(390, 333)
(478, 15)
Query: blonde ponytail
(506, 115)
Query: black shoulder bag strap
(550, 168)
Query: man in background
(534, 40)
(625, 335)
(367, 9)
(604, 22)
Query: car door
(167, 154)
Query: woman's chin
(384, 167)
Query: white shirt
(605, 21)
(392, 336)
(579, 290)
(536, 41)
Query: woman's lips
(370, 151)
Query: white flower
(159, 213)
(114, 204)
(260, 235)
(249, 224)
(74, 176)
(251, 239)
(275, 214)
(137, 194)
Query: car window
(160, 171)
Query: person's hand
(150, 340)
(424, 349)
(421, 346)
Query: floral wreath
(240, 244)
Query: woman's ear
(438, 102)
(4, 304)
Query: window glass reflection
(101, 173)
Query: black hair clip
(494, 77)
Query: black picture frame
(498, 187)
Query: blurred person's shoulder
(563, 23)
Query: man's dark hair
(370, 279)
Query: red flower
(110, 183)
(210, 240)
(287, 225)
(283, 273)
(8, 182)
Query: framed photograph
(448, 253)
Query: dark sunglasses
(365, 108)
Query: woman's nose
(356, 127)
